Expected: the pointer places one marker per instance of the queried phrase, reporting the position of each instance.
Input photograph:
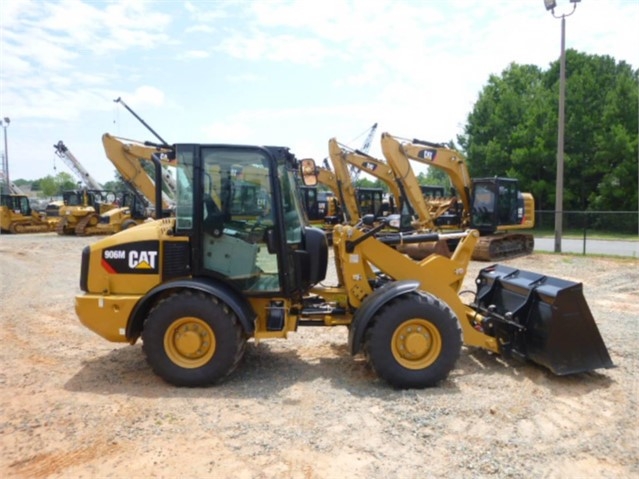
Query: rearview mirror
(308, 172)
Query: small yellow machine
(17, 216)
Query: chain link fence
(591, 228)
(607, 223)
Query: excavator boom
(127, 156)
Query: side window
(237, 218)
(184, 200)
(290, 204)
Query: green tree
(507, 133)
(48, 186)
(434, 176)
(65, 181)
(116, 185)
(512, 131)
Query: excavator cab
(495, 202)
(371, 202)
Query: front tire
(413, 341)
(191, 339)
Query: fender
(230, 297)
(371, 305)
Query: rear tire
(191, 339)
(413, 341)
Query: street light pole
(5, 158)
(559, 189)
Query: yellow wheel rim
(189, 342)
(416, 344)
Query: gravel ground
(74, 405)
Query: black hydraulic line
(399, 238)
(429, 143)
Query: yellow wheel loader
(196, 287)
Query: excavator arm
(126, 156)
(346, 193)
(398, 153)
(398, 160)
(367, 164)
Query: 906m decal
(141, 257)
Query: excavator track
(60, 227)
(88, 220)
(504, 246)
(28, 227)
(98, 230)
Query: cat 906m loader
(197, 286)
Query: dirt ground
(74, 405)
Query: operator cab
(241, 208)
(496, 202)
(19, 204)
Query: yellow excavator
(196, 287)
(324, 209)
(319, 205)
(97, 211)
(493, 206)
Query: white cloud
(225, 132)
(196, 54)
(146, 95)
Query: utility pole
(559, 189)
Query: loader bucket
(541, 318)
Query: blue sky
(267, 72)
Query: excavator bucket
(540, 318)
